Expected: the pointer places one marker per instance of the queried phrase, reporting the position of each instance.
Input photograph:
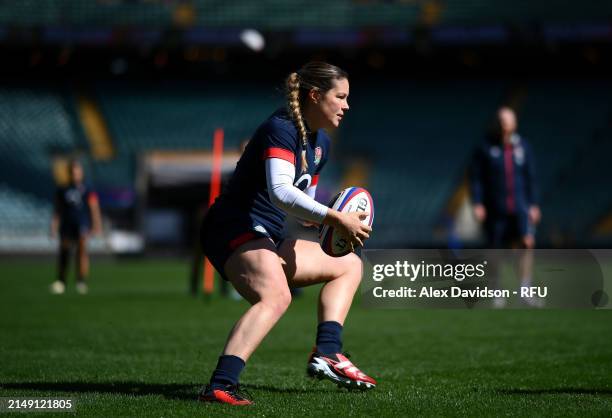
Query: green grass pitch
(137, 345)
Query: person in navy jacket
(503, 186)
(504, 190)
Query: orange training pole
(215, 189)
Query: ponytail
(294, 106)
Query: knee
(279, 302)
(351, 266)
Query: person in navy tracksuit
(76, 215)
(242, 233)
(504, 190)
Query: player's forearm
(297, 203)
(283, 194)
(311, 191)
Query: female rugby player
(76, 212)
(242, 233)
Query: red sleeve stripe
(281, 153)
(315, 180)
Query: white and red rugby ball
(351, 199)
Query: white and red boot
(339, 369)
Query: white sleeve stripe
(280, 175)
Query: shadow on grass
(557, 391)
(275, 389)
(179, 391)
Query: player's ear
(314, 95)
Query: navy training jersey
(72, 204)
(247, 190)
(502, 177)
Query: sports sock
(329, 337)
(64, 254)
(227, 371)
(526, 282)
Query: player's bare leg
(58, 287)
(526, 266)
(64, 259)
(256, 272)
(305, 264)
(525, 269)
(82, 265)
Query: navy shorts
(503, 230)
(73, 231)
(221, 235)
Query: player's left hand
(534, 214)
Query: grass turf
(138, 345)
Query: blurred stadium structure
(137, 88)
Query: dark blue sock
(227, 371)
(329, 337)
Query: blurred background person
(504, 193)
(76, 214)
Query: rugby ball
(352, 199)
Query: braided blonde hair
(314, 75)
(293, 104)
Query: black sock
(64, 255)
(329, 337)
(227, 372)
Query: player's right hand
(480, 212)
(351, 226)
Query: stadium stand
(418, 137)
(566, 124)
(521, 11)
(182, 116)
(282, 15)
(412, 140)
(22, 213)
(35, 124)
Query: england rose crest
(318, 155)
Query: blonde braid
(293, 103)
